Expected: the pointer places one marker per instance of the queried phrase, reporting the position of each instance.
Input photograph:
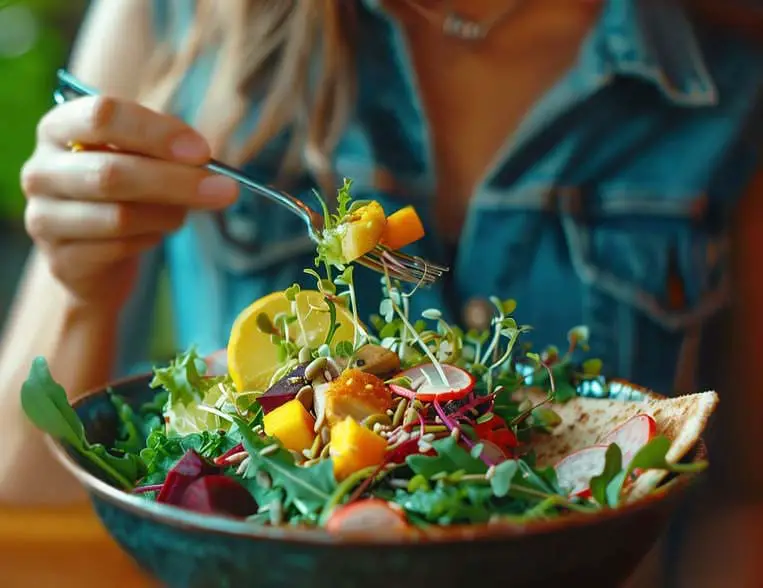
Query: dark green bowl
(184, 549)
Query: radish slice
(576, 470)
(371, 514)
(429, 385)
(631, 436)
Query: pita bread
(585, 421)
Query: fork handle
(71, 84)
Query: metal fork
(381, 259)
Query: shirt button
(477, 314)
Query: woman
(584, 158)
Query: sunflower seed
(264, 480)
(242, 467)
(314, 368)
(236, 458)
(305, 396)
(269, 450)
(333, 367)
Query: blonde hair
(295, 56)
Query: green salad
(315, 418)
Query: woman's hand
(92, 213)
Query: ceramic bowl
(188, 550)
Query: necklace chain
(457, 26)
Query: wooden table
(62, 548)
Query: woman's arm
(44, 320)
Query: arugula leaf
(343, 199)
(450, 457)
(134, 427)
(613, 465)
(445, 504)
(45, 404)
(127, 468)
(308, 488)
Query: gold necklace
(457, 26)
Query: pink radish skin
(631, 436)
(576, 470)
(459, 383)
(369, 515)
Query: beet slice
(190, 467)
(284, 389)
(218, 494)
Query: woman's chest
(475, 94)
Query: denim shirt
(623, 175)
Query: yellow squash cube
(354, 447)
(362, 231)
(292, 425)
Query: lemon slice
(253, 358)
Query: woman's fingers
(78, 261)
(125, 125)
(118, 177)
(51, 219)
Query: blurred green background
(35, 36)
(35, 40)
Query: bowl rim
(187, 520)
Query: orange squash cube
(292, 425)
(403, 228)
(354, 447)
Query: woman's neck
(476, 93)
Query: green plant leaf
(613, 465)
(450, 457)
(651, 457)
(309, 488)
(503, 476)
(44, 402)
(344, 349)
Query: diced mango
(402, 228)
(363, 230)
(356, 394)
(354, 447)
(292, 425)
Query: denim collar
(652, 40)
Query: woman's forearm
(79, 344)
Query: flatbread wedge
(585, 421)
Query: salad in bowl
(313, 417)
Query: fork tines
(402, 266)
